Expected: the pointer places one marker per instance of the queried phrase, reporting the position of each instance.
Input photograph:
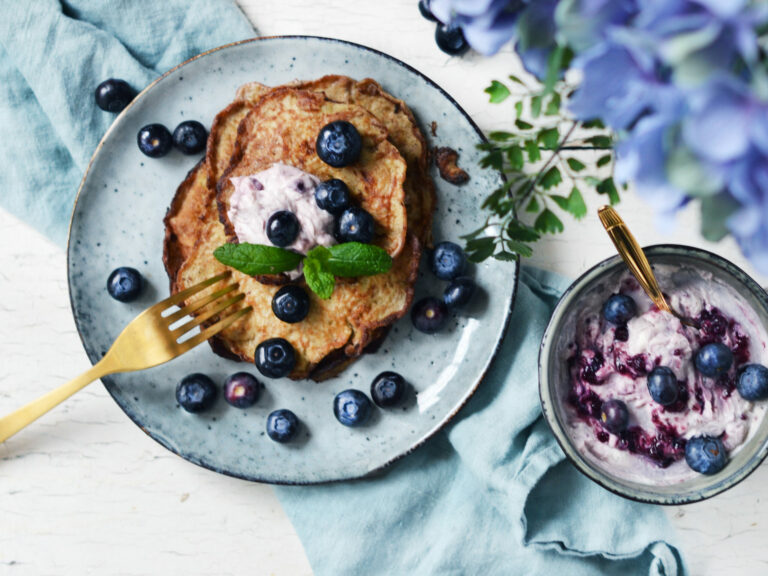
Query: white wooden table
(86, 492)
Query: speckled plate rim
(93, 356)
(557, 427)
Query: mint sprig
(321, 265)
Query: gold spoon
(635, 259)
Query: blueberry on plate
(448, 261)
(450, 39)
(705, 454)
(388, 389)
(125, 284)
(753, 382)
(339, 144)
(614, 416)
(282, 228)
(425, 10)
(619, 309)
(459, 292)
(332, 196)
(196, 393)
(291, 304)
(241, 390)
(354, 225)
(429, 315)
(275, 357)
(714, 359)
(113, 95)
(352, 408)
(662, 385)
(155, 140)
(282, 425)
(190, 137)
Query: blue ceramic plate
(118, 221)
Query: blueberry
(429, 315)
(459, 292)
(196, 393)
(291, 304)
(614, 416)
(450, 39)
(753, 382)
(282, 228)
(352, 408)
(339, 144)
(619, 309)
(241, 390)
(114, 94)
(388, 389)
(125, 284)
(275, 357)
(714, 359)
(282, 425)
(190, 137)
(448, 261)
(354, 225)
(705, 454)
(425, 10)
(155, 140)
(332, 196)
(662, 384)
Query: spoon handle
(632, 254)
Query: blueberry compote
(618, 343)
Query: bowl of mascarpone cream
(588, 364)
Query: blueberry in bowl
(714, 359)
(448, 261)
(459, 292)
(291, 304)
(154, 140)
(614, 416)
(113, 95)
(429, 315)
(352, 408)
(619, 309)
(282, 425)
(662, 386)
(388, 389)
(706, 454)
(190, 137)
(196, 393)
(339, 144)
(354, 225)
(275, 358)
(753, 382)
(125, 284)
(242, 390)
(332, 196)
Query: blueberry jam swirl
(611, 360)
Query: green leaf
(354, 259)
(549, 138)
(515, 157)
(573, 204)
(554, 65)
(600, 141)
(597, 124)
(318, 280)
(516, 230)
(533, 206)
(523, 125)
(575, 165)
(603, 160)
(493, 199)
(548, 222)
(255, 259)
(497, 91)
(519, 108)
(519, 248)
(553, 106)
(536, 106)
(715, 211)
(609, 188)
(506, 256)
(532, 149)
(551, 178)
(493, 159)
(500, 136)
(592, 181)
(480, 249)
(516, 80)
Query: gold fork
(147, 341)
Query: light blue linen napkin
(488, 495)
(53, 54)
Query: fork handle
(25, 415)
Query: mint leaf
(356, 259)
(497, 91)
(254, 259)
(318, 280)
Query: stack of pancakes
(264, 126)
